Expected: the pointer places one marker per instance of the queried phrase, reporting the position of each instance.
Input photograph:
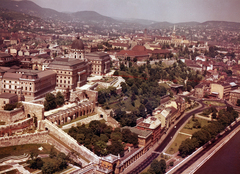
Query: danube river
(226, 160)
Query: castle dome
(78, 44)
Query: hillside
(6, 14)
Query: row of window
(64, 86)
(6, 81)
(63, 77)
(63, 81)
(64, 72)
(15, 87)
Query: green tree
(100, 148)
(142, 112)
(104, 138)
(53, 153)
(59, 99)
(80, 138)
(36, 163)
(116, 148)
(124, 87)
(50, 102)
(116, 73)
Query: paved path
(185, 134)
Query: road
(166, 141)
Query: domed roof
(78, 44)
(139, 48)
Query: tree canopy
(96, 137)
(52, 101)
(199, 138)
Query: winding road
(166, 141)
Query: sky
(158, 10)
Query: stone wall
(109, 120)
(15, 127)
(80, 95)
(33, 109)
(71, 142)
(12, 116)
(35, 138)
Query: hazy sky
(158, 10)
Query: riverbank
(201, 161)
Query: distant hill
(30, 8)
(7, 14)
(91, 16)
(161, 25)
(220, 23)
(139, 21)
(193, 23)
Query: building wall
(30, 87)
(234, 97)
(4, 101)
(217, 88)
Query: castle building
(100, 62)
(71, 73)
(32, 84)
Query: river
(226, 160)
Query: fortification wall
(33, 109)
(35, 138)
(109, 120)
(71, 142)
(38, 138)
(12, 116)
(15, 127)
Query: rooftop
(110, 158)
(7, 95)
(141, 133)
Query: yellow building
(221, 90)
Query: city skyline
(171, 11)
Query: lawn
(177, 142)
(188, 127)
(214, 103)
(126, 104)
(21, 149)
